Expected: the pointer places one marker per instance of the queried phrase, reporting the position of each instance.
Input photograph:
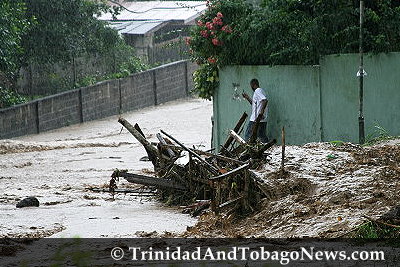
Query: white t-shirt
(258, 96)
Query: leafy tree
(66, 29)
(287, 32)
(13, 24)
(9, 98)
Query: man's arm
(264, 104)
(247, 97)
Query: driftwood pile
(222, 181)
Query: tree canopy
(284, 32)
(13, 24)
(46, 33)
(66, 29)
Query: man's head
(254, 84)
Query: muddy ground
(59, 166)
(326, 192)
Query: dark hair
(255, 82)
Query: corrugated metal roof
(159, 10)
(135, 27)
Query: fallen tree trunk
(138, 135)
(150, 181)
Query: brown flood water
(58, 166)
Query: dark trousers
(261, 133)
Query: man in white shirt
(259, 113)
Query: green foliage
(337, 143)
(13, 24)
(213, 42)
(66, 29)
(379, 134)
(205, 80)
(125, 68)
(291, 32)
(9, 98)
(372, 230)
(132, 65)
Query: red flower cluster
(226, 29)
(218, 19)
(216, 42)
(210, 25)
(211, 28)
(204, 33)
(212, 60)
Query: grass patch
(373, 230)
(337, 143)
(379, 134)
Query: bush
(9, 98)
(125, 68)
(205, 81)
(288, 32)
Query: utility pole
(361, 127)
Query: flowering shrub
(210, 41)
(286, 32)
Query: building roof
(185, 11)
(141, 27)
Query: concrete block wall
(152, 87)
(170, 81)
(137, 91)
(19, 120)
(59, 110)
(101, 100)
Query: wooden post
(246, 189)
(190, 172)
(283, 150)
(237, 137)
(163, 142)
(227, 174)
(361, 130)
(211, 168)
(137, 127)
(236, 129)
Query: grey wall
(59, 110)
(152, 87)
(170, 81)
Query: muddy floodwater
(59, 166)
